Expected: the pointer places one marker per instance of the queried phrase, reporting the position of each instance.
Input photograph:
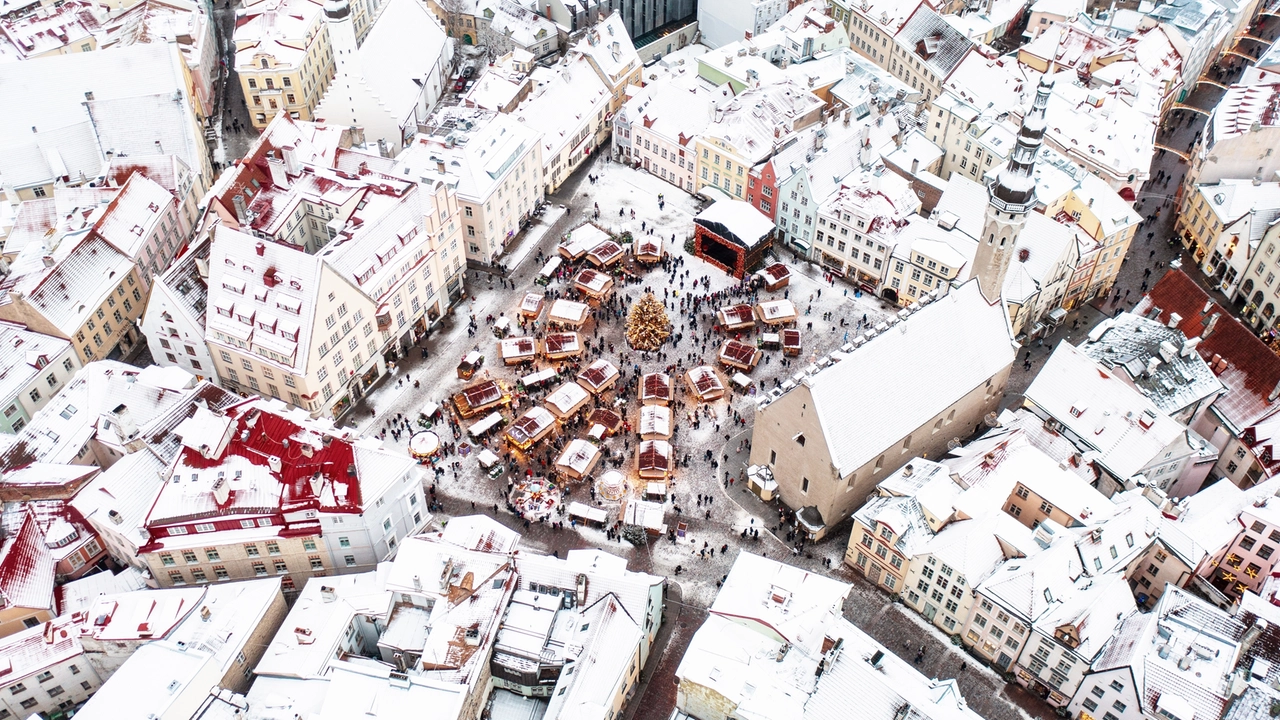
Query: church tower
(1009, 198)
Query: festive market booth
(655, 422)
(655, 389)
(548, 271)
(502, 327)
(777, 312)
(775, 276)
(733, 235)
(656, 490)
(531, 427)
(612, 486)
(582, 240)
(518, 350)
(704, 383)
(486, 425)
(648, 249)
(578, 459)
(736, 317)
(603, 422)
(790, 341)
(770, 341)
(424, 446)
(598, 376)
(482, 396)
(586, 514)
(739, 355)
(567, 400)
(534, 379)
(469, 364)
(593, 285)
(561, 346)
(760, 481)
(535, 497)
(654, 459)
(531, 305)
(490, 462)
(567, 313)
(606, 254)
(645, 514)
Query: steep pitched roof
(26, 568)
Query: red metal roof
(1249, 369)
(260, 435)
(27, 568)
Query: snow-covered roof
(1093, 612)
(579, 456)
(567, 398)
(677, 110)
(655, 420)
(133, 215)
(479, 149)
(1125, 427)
(159, 673)
(1031, 586)
(962, 326)
(757, 119)
(120, 496)
(929, 36)
(66, 141)
(23, 356)
(1244, 364)
(608, 46)
(566, 97)
(1043, 247)
(396, 77)
(27, 652)
(27, 568)
(736, 221)
(66, 295)
(1134, 344)
(820, 662)
(1231, 200)
(277, 28)
(82, 594)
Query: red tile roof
(1249, 369)
(26, 568)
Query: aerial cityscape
(639, 360)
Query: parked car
(468, 71)
(460, 85)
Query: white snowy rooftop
(737, 221)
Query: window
(251, 549)
(309, 544)
(211, 554)
(273, 548)
(31, 702)
(281, 568)
(221, 573)
(190, 557)
(316, 563)
(1115, 685)
(35, 395)
(1089, 704)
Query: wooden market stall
(518, 350)
(655, 422)
(534, 379)
(599, 376)
(790, 341)
(739, 355)
(775, 276)
(606, 254)
(648, 249)
(736, 317)
(587, 515)
(531, 427)
(655, 389)
(531, 305)
(593, 285)
(603, 422)
(704, 383)
(654, 459)
(776, 312)
(567, 400)
(486, 425)
(561, 346)
(649, 515)
(582, 240)
(469, 364)
(482, 396)
(567, 313)
(578, 459)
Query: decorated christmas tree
(647, 324)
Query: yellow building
(747, 131)
(283, 59)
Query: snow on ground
(621, 188)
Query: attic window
(153, 207)
(799, 438)
(1048, 595)
(1077, 411)
(67, 412)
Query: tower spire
(1010, 196)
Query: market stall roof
(518, 349)
(648, 515)
(568, 312)
(777, 311)
(531, 306)
(577, 509)
(567, 399)
(485, 424)
(655, 422)
(564, 344)
(736, 316)
(655, 387)
(487, 458)
(736, 221)
(704, 382)
(578, 458)
(598, 376)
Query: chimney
(242, 212)
(915, 165)
(1208, 328)
(440, 165)
(1174, 319)
(159, 148)
(88, 96)
(1189, 346)
(221, 491)
(291, 164)
(126, 428)
(278, 176)
(260, 248)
